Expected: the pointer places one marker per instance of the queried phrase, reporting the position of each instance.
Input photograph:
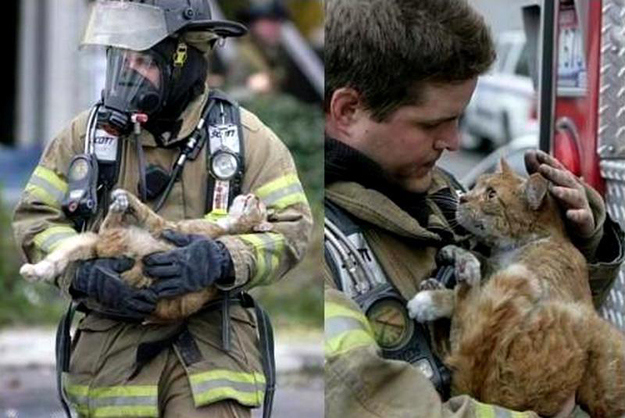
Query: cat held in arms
(132, 229)
(525, 336)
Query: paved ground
(28, 385)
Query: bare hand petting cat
(566, 188)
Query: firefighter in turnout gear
(398, 76)
(154, 103)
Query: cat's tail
(603, 386)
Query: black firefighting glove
(99, 279)
(198, 263)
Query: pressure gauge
(392, 328)
(224, 165)
(79, 169)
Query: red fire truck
(580, 75)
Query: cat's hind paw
(43, 271)
(423, 307)
(119, 201)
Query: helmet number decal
(180, 56)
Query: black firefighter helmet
(140, 24)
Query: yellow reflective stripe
(282, 192)
(114, 401)
(48, 240)
(77, 390)
(244, 398)
(125, 411)
(215, 385)
(346, 329)
(46, 185)
(348, 341)
(493, 411)
(51, 177)
(484, 411)
(123, 391)
(332, 310)
(215, 215)
(41, 194)
(228, 375)
(268, 248)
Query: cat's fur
(132, 229)
(526, 337)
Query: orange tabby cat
(132, 229)
(526, 337)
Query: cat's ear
(536, 188)
(504, 168)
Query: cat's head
(505, 209)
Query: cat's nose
(462, 199)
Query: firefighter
(398, 76)
(160, 133)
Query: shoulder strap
(353, 264)
(225, 135)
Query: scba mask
(135, 81)
(158, 83)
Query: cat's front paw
(43, 271)
(423, 308)
(466, 265)
(430, 284)
(119, 201)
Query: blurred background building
(49, 80)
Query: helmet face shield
(134, 81)
(127, 25)
(140, 26)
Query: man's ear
(536, 188)
(343, 107)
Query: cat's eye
(491, 193)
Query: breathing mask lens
(134, 82)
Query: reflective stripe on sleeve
(48, 240)
(46, 185)
(282, 192)
(268, 249)
(346, 329)
(493, 411)
(114, 401)
(216, 385)
(215, 215)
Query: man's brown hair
(387, 50)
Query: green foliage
(300, 127)
(297, 300)
(21, 302)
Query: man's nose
(449, 138)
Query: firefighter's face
(145, 65)
(409, 142)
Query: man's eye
(491, 193)
(429, 126)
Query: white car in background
(504, 103)
(513, 152)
